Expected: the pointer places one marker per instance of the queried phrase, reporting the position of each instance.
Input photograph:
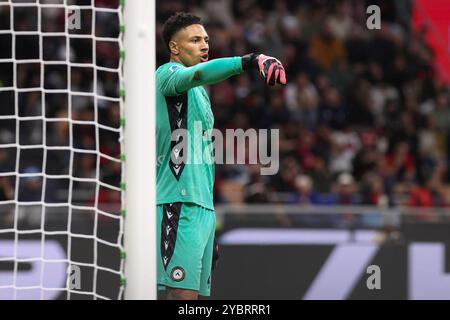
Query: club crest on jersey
(177, 274)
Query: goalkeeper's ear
(173, 48)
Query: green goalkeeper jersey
(182, 103)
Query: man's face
(190, 45)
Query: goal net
(62, 184)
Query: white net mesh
(61, 190)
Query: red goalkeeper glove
(270, 68)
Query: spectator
(321, 177)
(331, 111)
(346, 144)
(6, 189)
(326, 49)
(302, 100)
(256, 189)
(373, 192)
(361, 105)
(400, 163)
(305, 193)
(344, 193)
(30, 187)
(284, 181)
(430, 194)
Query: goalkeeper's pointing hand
(270, 68)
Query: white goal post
(140, 146)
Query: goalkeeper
(185, 209)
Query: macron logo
(179, 105)
(177, 169)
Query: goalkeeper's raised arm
(189, 47)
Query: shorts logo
(177, 274)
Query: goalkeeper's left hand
(270, 68)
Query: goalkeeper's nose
(205, 48)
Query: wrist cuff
(248, 60)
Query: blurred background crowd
(364, 118)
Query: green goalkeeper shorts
(185, 234)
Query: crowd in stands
(364, 118)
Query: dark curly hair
(177, 22)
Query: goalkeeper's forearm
(207, 73)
